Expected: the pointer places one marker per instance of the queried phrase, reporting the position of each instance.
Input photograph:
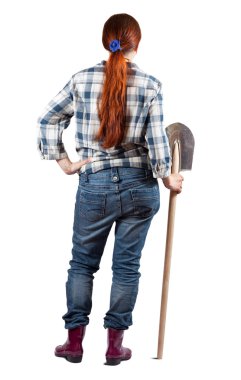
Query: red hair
(112, 105)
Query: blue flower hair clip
(115, 45)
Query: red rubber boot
(72, 349)
(115, 351)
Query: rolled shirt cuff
(52, 152)
(161, 171)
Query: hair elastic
(115, 45)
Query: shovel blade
(181, 134)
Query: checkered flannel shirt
(145, 144)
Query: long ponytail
(112, 105)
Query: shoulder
(145, 79)
(89, 73)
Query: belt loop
(84, 177)
(114, 171)
(148, 173)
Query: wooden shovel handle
(168, 254)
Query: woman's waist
(101, 163)
(116, 176)
(122, 152)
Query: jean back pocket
(92, 205)
(146, 201)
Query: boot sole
(71, 359)
(114, 361)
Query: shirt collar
(129, 64)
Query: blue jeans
(128, 197)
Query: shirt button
(115, 178)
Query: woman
(123, 149)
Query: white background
(193, 48)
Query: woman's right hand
(173, 182)
(72, 167)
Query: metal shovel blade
(180, 133)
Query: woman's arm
(156, 138)
(158, 145)
(53, 121)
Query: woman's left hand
(72, 167)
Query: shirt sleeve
(52, 122)
(157, 140)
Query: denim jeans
(128, 197)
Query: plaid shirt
(145, 144)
